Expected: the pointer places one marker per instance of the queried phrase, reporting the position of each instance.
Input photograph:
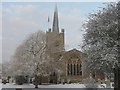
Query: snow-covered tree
(101, 40)
(30, 55)
(5, 69)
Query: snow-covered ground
(0, 84)
(8, 85)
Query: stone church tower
(55, 38)
(72, 62)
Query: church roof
(55, 27)
(74, 50)
(73, 54)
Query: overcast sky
(21, 19)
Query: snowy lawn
(8, 85)
(76, 85)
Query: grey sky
(21, 19)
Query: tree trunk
(117, 78)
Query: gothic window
(80, 69)
(71, 69)
(68, 70)
(74, 69)
(77, 69)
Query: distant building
(73, 61)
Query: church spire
(55, 27)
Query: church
(73, 61)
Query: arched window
(77, 69)
(71, 69)
(80, 70)
(74, 69)
(68, 70)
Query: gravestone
(108, 84)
